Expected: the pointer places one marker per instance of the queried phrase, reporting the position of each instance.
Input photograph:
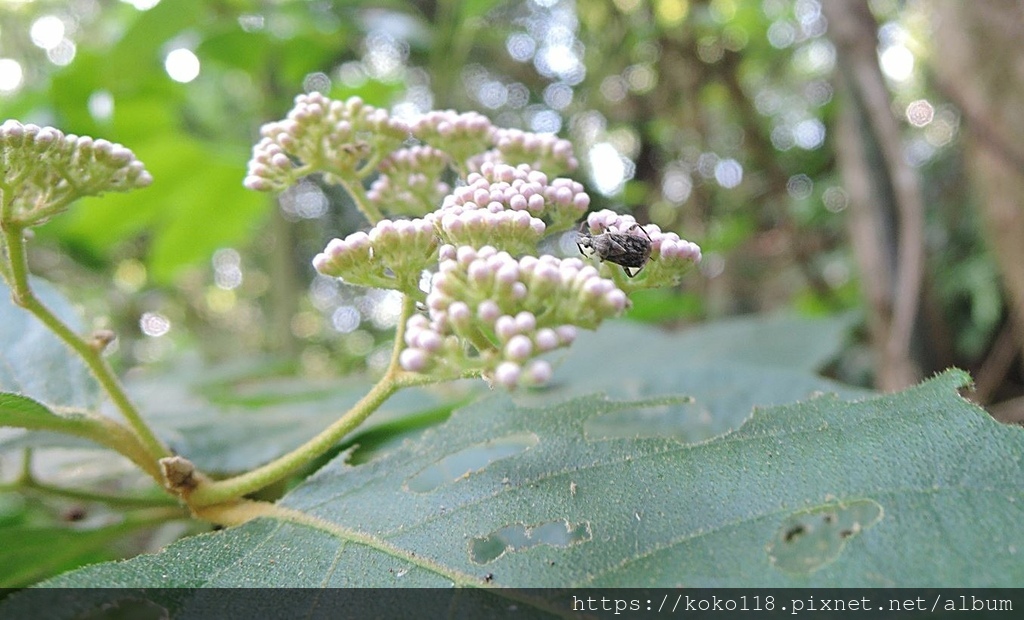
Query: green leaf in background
(526, 495)
(197, 205)
(31, 553)
(234, 437)
(726, 369)
(35, 362)
(21, 412)
(664, 305)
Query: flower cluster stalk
(477, 297)
(394, 379)
(24, 296)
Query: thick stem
(394, 379)
(232, 488)
(358, 194)
(24, 296)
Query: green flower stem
(370, 165)
(408, 308)
(233, 488)
(394, 379)
(5, 269)
(53, 207)
(479, 340)
(25, 476)
(358, 194)
(97, 429)
(26, 481)
(118, 501)
(25, 297)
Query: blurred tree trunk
(979, 60)
(886, 214)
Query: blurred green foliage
(718, 115)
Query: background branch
(854, 31)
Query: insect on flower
(629, 249)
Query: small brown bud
(101, 339)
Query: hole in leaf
(685, 421)
(813, 538)
(519, 537)
(472, 459)
(793, 533)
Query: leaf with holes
(916, 489)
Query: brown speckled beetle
(628, 249)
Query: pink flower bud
(535, 204)
(488, 311)
(446, 252)
(546, 339)
(616, 300)
(466, 255)
(413, 360)
(508, 273)
(478, 272)
(429, 341)
(505, 327)
(538, 372)
(507, 374)
(518, 348)
(566, 333)
(459, 313)
(525, 322)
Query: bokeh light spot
(897, 63)
(154, 324)
(728, 173)
(799, 186)
(182, 65)
(10, 75)
(47, 32)
(920, 113)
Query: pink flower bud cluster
(510, 311)
(322, 135)
(671, 256)
(510, 207)
(667, 244)
(44, 169)
(392, 255)
(460, 135)
(409, 181)
(539, 151)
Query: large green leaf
(35, 362)
(914, 489)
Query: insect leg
(582, 235)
